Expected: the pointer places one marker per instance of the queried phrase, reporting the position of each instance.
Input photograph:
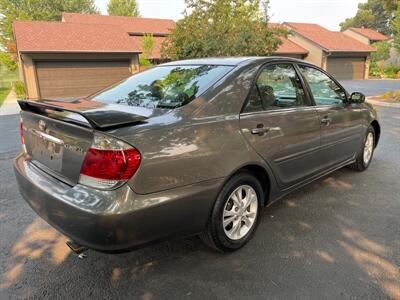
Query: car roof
(229, 61)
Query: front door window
(323, 88)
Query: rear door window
(278, 86)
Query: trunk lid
(58, 134)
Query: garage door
(347, 68)
(71, 79)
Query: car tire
(366, 153)
(232, 223)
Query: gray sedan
(188, 147)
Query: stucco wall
(315, 55)
(357, 36)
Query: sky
(328, 13)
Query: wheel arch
(377, 129)
(261, 174)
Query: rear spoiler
(104, 116)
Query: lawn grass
(4, 91)
(7, 78)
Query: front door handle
(260, 129)
(327, 121)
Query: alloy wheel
(240, 212)
(368, 148)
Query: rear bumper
(119, 220)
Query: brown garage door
(347, 68)
(78, 78)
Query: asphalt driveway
(338, 238)
(371, 87)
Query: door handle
(327, 121)
(260, 129)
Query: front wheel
(235, 215)
(364, 158)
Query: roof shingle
(290, 47)
(41, 36)
(130, 24)
(332, 41)
(136, 27)
(287, 46)
(371, 34)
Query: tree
(375, 14)
(148, 47)
(123, 8)
(382, 51)
(381, 54)
(11, 10)
(396, 29)
(222, 28)
(9, 60)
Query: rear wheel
(235, 215)
(364, 158)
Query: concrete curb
(385, 104)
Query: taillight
(109, 163)
(21, 134)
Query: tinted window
(277, 86)
(324, 89)
(253, 101)
(164, 86)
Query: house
(290, 49)
(369, 36)
(82, 53)
(287, 47)
(335, 52)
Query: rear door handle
(260, 129)
(327, 121)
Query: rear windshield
(163, 86)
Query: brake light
(21, 132)
(109, 163)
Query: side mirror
(357, 98)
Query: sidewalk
(10, 105)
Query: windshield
(164, 86)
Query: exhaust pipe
(77, 248)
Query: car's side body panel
(341, 138)
(291, 145)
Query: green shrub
(392, 71)
(19, 88)
(388, 95)
(375, 70)
(143, 62)
(382, 51)
(386, 72)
